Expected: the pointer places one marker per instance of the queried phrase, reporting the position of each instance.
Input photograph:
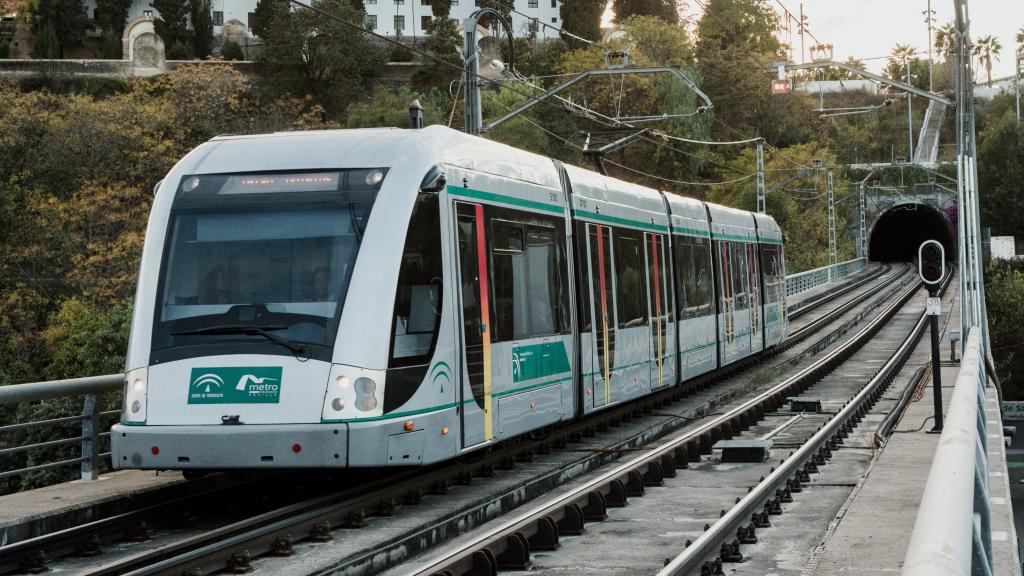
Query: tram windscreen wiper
(247, 330)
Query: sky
(870, 28)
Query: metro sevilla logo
(235, 385)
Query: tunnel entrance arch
(899, 231)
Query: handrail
(91, 428)
(804, 281)
(952, 534)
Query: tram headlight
(136, 387)
(353, 393)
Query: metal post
(831, 228)
(415, 115)
(802, 59)
(761, 201)
(863, 240)
(936, 370)
(929, 16)
(473, 117)
(910, 117)
(90, 429)
(1016, 83)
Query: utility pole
(802, 20)
(862, 240)
(473, 119)
(1016, 83)
(831, 227)
(929, 18)
(910, 116)
(760, 178)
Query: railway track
(693, 504)
(275, 531)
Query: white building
(406, 17)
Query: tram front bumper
(229, 446)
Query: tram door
(475, 387)
(603, 319)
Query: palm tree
(945, 38)
(987, 48)
(1020, 39)
(899, 59)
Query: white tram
(378, 297)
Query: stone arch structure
(141, 45)
(898, 232)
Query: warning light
(409, 426)
(931, 262)
(444, 431)
(155, 450)
(296, 448)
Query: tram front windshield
(260, 263)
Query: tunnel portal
(899, 231)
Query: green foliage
(112, 15)
(112, 48)
(1001, 171)
(305, 54)
(1004, 300)
(231, 50)
(172, 26)
(390, 107)
(266, 14)
(400, 53)
(4, 49)
(581, 18)
(85, 339)
(663, 9)
(57, 25)
(443, 43)
(202, 28)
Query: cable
(624, 167)
(634, 170)
(427, 55)
(512, 8)
(918, 429)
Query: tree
(945, 39)
(306, 54)
(1004, 299)
(112, 15)
(1001, 159)
(266, 13)
(57, 24)
(581, 18)
(986, 49)
(202, 28)
(1020, 39)
(735, 40)
(442, 43)
(664, 9)
(172, 25)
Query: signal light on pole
(931, 262)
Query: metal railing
(953, 532)
(91, 432)
(804, 281)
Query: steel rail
(813, 303)
(231, 546)
(125, 525)
(726, 527)
(509, 543)
(815, 325)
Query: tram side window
(772, 276)
(417, 316)
(738, 260)
(631, 293)
(693, 276)
(582, 279)
(530, 287)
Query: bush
(5, 51)
(231, 50)
(177, 51)
(112, 48)
(400, 54)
